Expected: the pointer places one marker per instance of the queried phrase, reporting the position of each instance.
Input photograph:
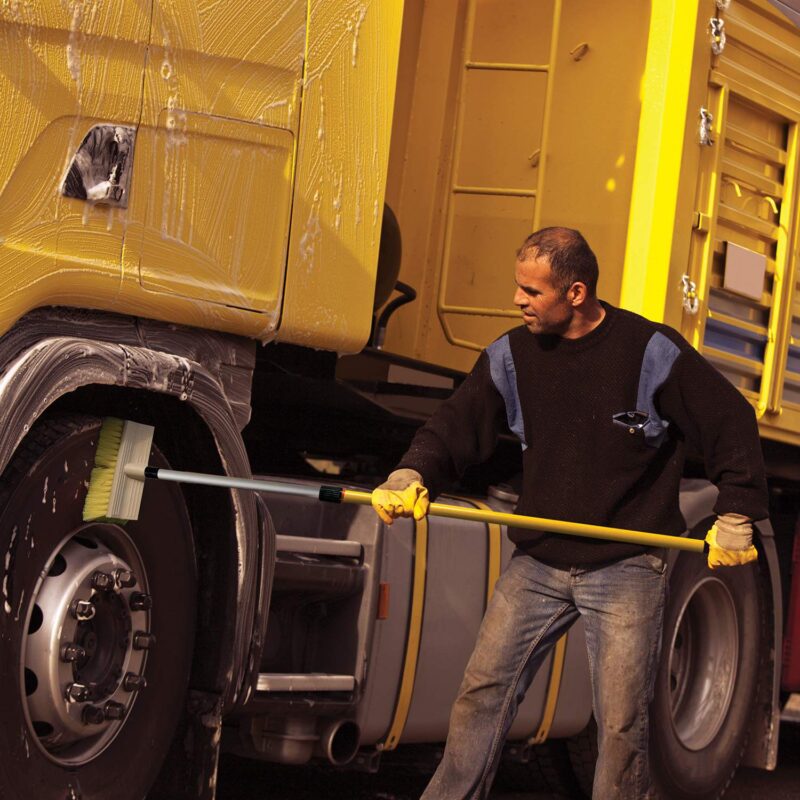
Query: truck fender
(55, 366)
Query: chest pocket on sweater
(632, 420)
(645, 422)
(629, 429)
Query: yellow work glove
(730, 541)
(402, 495)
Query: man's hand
(403, 495)
(730, 541)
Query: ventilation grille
(752, 190)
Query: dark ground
(240, 779)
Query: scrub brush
(117, 482)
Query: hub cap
(80, 670)
(703, 658)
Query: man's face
(545, 308)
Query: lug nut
(92, 715)
(133, 682)
(124, 578)
(143, 640)
(114, 710)
(141, 602)
(77, 693)
(82, 610)
(71, 652)
(102, 581)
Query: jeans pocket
(657, 560)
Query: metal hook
(691, 302)
(717, 30)
(706, 123)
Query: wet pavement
(240, 779)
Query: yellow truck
(205, 212)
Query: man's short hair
(571, 259)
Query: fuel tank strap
(553, 685)
(413, 638)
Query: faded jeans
(622, 607)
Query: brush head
(113, 494)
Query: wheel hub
(81, 666)
(104, 640)
(703, 659)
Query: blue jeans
(622, 607)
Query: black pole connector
(330, 494)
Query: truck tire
(707, 680)
(700, 710)
(78, 719)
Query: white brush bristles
(134, 450)
(113, 494)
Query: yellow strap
(414, 635)
(493, 563)
(556, 671)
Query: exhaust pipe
(339, 741)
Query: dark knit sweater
(561, 396)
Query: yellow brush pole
(551, 525)
(121, 468)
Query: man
(603, 402)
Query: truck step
(324, 577)
(304, 682)
(320, 547)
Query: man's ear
(577, 294)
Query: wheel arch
(75, 373)
(697, 502)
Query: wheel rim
(703, 659)
(84, 655)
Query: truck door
(215, 151)
(73, 75)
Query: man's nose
(520, 298)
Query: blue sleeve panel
(504, 377)
(659, 357)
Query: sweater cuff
(430, 478)
(748, 502)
